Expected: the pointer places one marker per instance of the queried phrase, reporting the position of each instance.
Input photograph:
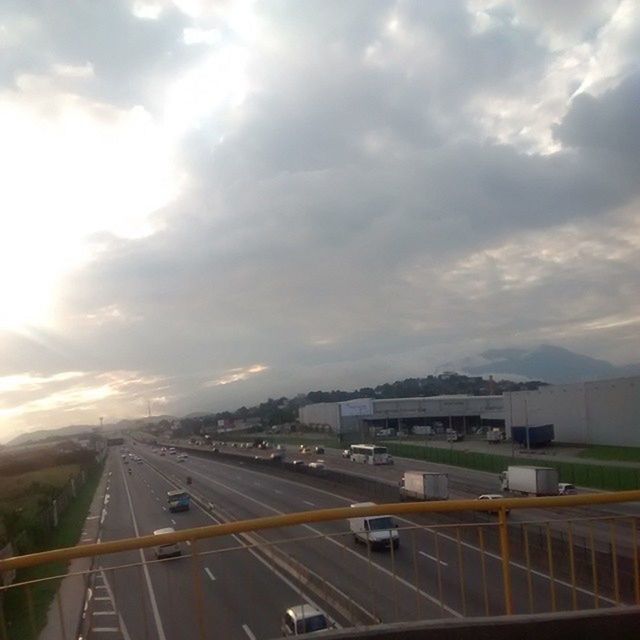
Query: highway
(244, 597)
(469, 483)
(157, 600)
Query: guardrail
(590, 580)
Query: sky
(205, 204)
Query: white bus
(370, 454)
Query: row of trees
(284, 410)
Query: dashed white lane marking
(164, 508)
(105, 630)
(248, 632)
(208, 572)
(277, 491)
(104, 613)
(93, 517)
(102, 598)
(173, 521)
(188, 543)
(99, 586)
(426, 555)
(311, 504)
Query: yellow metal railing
(247, 532)
(320, 515)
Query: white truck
(532, 481)
(495, 435)
(424, 485)
(380, 532)
(423, 430)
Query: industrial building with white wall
(359, 416)
(603, 412)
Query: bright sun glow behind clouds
(70, 168)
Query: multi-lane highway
(242, 595)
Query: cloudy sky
(205, 203)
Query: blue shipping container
(538, 435)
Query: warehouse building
(604, 412)
(363, 416)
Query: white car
(567, 489)
(303, 619)
(492, 496)
(167, 550)
(182, 457)
(318, 464)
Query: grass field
(24, 491)
(621, 454)
(20, 625)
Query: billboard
(357, 407)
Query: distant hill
(41, 435)
(546, 362)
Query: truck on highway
(378, 531)
(178, 500)
(532, 481)
(424, 485)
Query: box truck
(424, 485)
(535, 481)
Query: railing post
(505, 555)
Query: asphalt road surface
(244, 597)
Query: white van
(167, 550)
(378, 531)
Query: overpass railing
(481, 568)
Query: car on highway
(492, 496)
(318, 464)
(277, 456)
(297, 463)
(302, 619)
(346, 453)
(567, 489)
(172, 451)
(182, 457)
(167, 550)
(319, 449)
(306, 450)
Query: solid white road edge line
(152, 595)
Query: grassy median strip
(618, 454)
(21, 625)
